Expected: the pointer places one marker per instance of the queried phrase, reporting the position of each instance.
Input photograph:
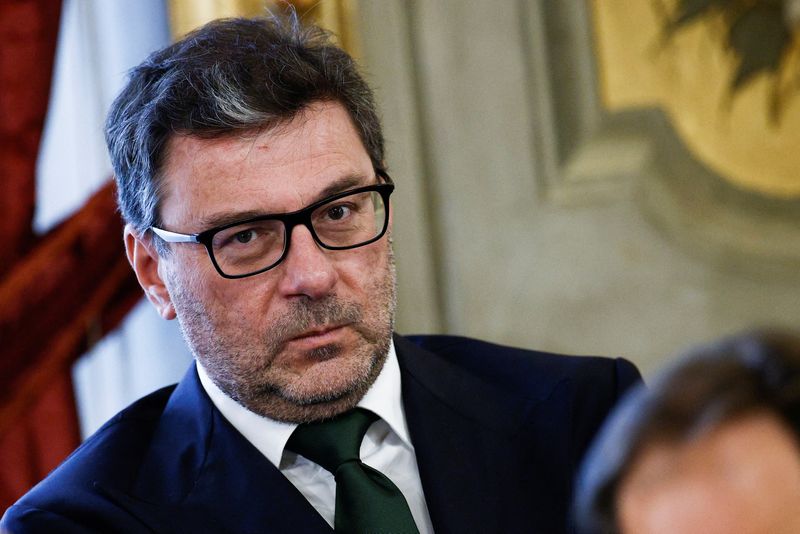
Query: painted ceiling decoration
(759, 35)
(725, 72)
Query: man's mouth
(318, 336)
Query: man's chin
(328, 379)
(307, 408)
(327, 387)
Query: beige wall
(526, 214)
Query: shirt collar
(384, 398)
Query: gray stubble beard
(239, 369)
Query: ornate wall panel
(557, 221)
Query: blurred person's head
(712, 445)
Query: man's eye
(245, 236)
(336, 213)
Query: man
(712, 446)
(251, 174)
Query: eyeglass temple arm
(173, 237)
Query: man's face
(306, 339)
(743, 477)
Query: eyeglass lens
(345, 222)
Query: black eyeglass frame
(289, 220)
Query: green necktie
(366, 500)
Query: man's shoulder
(126, 435)
(514, 367)
(110, 458)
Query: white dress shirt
(386, 447)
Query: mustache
(304, 315)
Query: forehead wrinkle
(304, 168)
(230, 216)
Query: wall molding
(588, 155)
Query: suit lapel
(201, 475)
(464, 434)
(257, 496)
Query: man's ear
(144, 259)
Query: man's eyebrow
(342, 184)
(221, 219)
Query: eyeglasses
(346, 220)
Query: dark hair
(708, 387)
(228, 77)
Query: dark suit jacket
(498, 433)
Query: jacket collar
(219, 483)
(464, 431)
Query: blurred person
(711, 446)
(251, 174)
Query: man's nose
(307, 270)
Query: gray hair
(228, 77)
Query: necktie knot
(333, 442)
(366, 500)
